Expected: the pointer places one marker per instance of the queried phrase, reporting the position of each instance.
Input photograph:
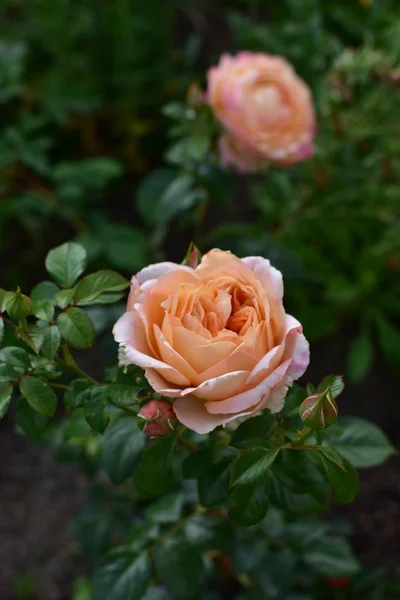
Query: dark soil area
(38, 497)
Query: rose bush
(266, 109)
(216, 338)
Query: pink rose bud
(319, 410)
(157, 418)
(195, 97)
(193, 256)
(265, 108)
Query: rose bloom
(266, 109)
(216, 338)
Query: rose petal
(155, 271)
(270, 277)
(218, 388)
(129, 332)
(252, 396)
(169, 355)
(160, 385)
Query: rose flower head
(265, 108)
(215, 338)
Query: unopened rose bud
(193, 256)
(157, 418)
(319, 410)
(195, 96)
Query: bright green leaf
(122, 578)
(94, 407)
(256, 428)
(166, 510)
(154, 473)
(361, 442)
(76, 328)
(18, 305)
(344, 479)
(44, 291)
(248, 504)
(251, 466)
(31, 422)
(123, 395)
(51, 341)
(123, 442)
(43, 310)
(40, 397)
(92, 286)
(75, 396)
(32, 335)
(14, 363)
(66, 263)
(63, 298)
(5, 399)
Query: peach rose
(216, 338)
(262, 103)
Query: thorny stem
(61, 386)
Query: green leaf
(94, 408)
(154, 473)
(208, 533)
(1, 330)
(3, 298)
(122, 578)
(64, 298)
(284, 499)
(344, 479)
(66, 263)
(361, 442)
(256, 428)
(14, 363)
(18, 305)
(45, 290)
(31, 422)
(301, 471)
(166, 510)
(43, 310)
(179, 566)
(389, 339)
(360, 357)
(143, 534)
(251, 466)
(40, 397)
(331, 557)
(123, 442)
(5, 399)
(248, 504)
(76, 328)
(32, 335)
(75, 396)
(150, 191)
(92, 286)
(123, 395)
(213, 486)
(51, 341)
